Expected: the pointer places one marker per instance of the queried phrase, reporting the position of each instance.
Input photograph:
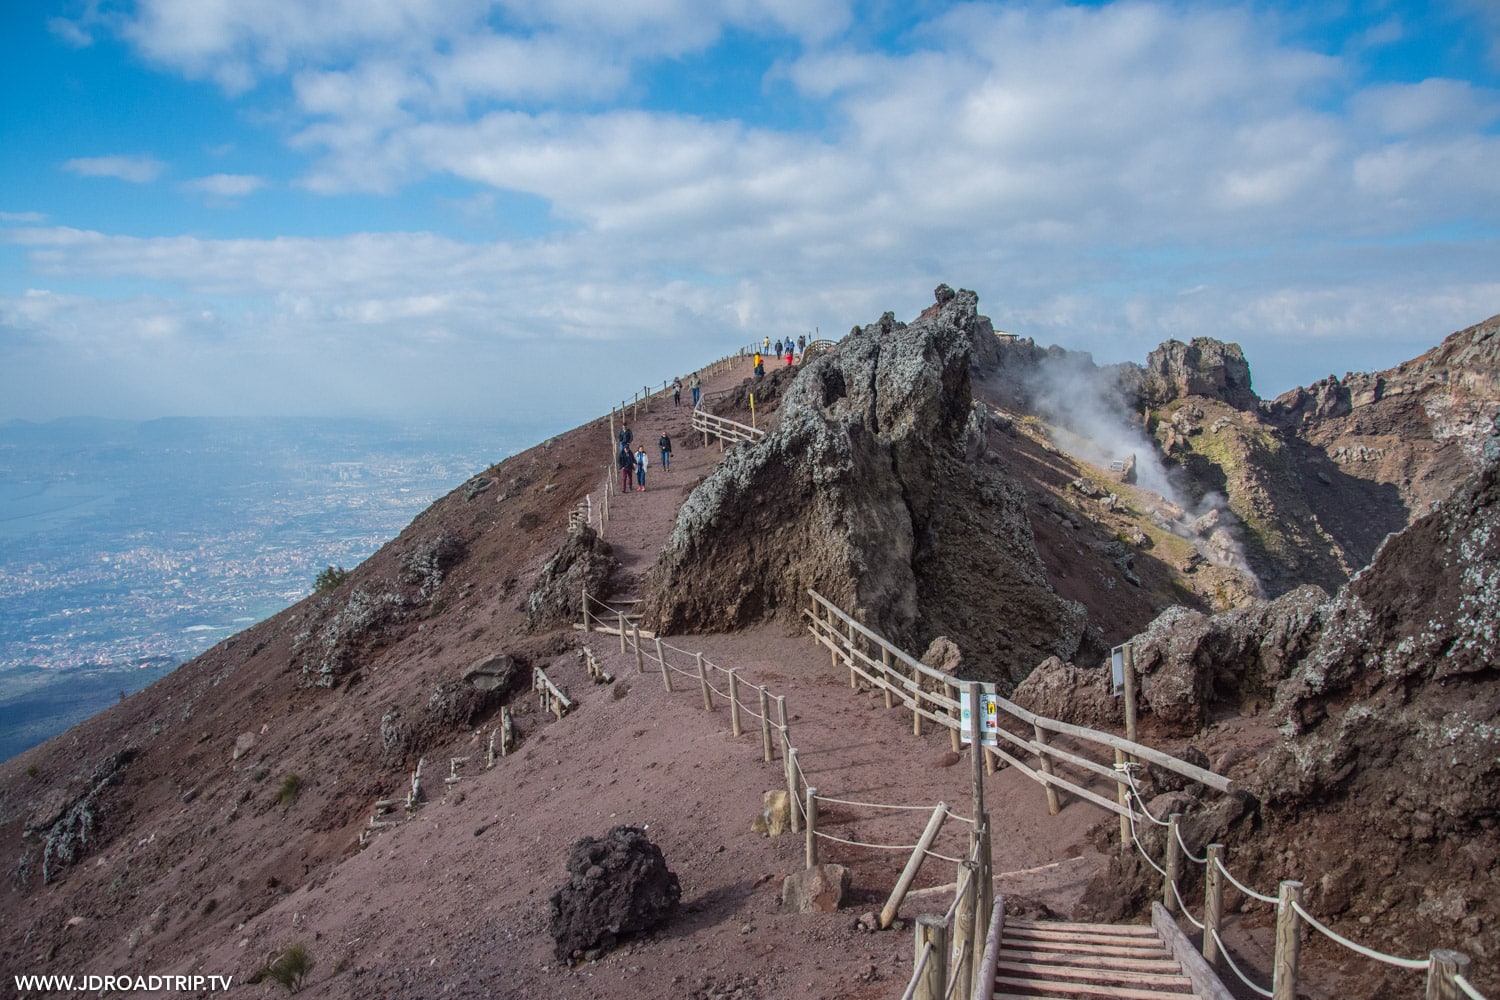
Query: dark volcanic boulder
(618, 884)
(864, 493)
(1189, 661)
(584, 562)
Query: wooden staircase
(1046, 960)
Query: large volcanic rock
(618, 885)
(1203, 367)
(864, 493)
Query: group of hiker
(784, 349)
(635, 463)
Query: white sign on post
(1117, 670)
(989, 721)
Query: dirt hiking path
(454, 903)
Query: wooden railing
(931, 694)
(726, 430)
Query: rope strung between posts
(1135, 839)
(1468, 989)
(1245, 888)
(1125, 769)
(1229, 960)
(1183, 908)
(918, 967)
(881, 805)
(943, 857)
(857, 843)
(1400, 963)
(1185, 850)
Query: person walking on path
(626, 437)
(789, 352)
(626, 462)
(779, 351)
(641, 461)
(664, 444)
(677, 392)
(696, 386)
(765, 343)
(802, 344)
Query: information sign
(989, 721)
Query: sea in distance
(128, 548)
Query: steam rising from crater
(1093, 418)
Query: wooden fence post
(708, 701)
(765, 725)
(1129, 657)
(621, 616)
(1288, 942)
(1122, 796)
(635, 638)
(913, 864)
(812, 824)
(849, 657)
(1045, 763)
(963, 931)
(1444, 967)
(734, 701)
(1174, 865)
(1213, 902)
(931, 931)
(794, 805)
(585, 606)
(666, 673)
(916, 703)
(885, 663)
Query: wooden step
(1087, 960)
(1047, 988)
(1085, 948)
(1090, 937)
(1082, 974)
(1124, 930)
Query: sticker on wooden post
(989, 719)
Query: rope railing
(1468, 989)
(1262, 897)
(1443, 967)
(1229, 961)
(849, 643)
(1422, 964)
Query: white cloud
(23, 218)
(1079, 166)
(226, 186)
(137, 169)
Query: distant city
(128, 548)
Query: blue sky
(528, 208)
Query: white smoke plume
(1092, 420)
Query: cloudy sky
(470, 208)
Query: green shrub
(329, 579)
(291, 787)
(290, 968)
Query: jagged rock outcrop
(618, 885)
(1416, 429)
(1202, 367)
(583, 562)
(1188, 662)
(863, 493)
